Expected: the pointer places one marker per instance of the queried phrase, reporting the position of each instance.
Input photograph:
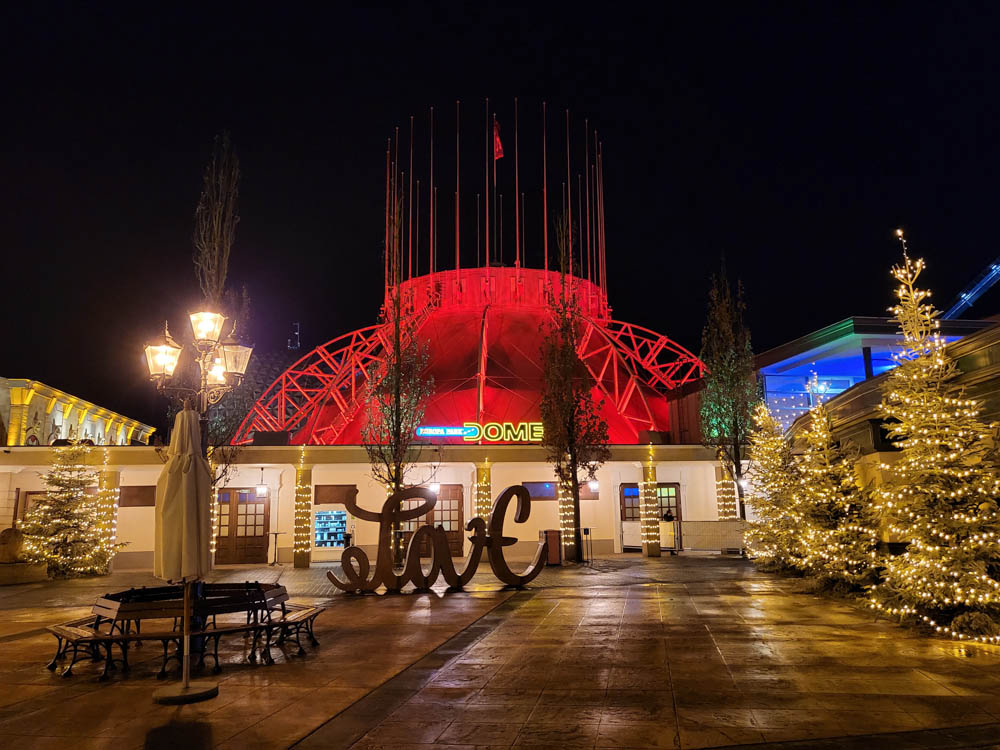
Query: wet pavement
(629, 653)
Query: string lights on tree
(772, 539)
(837, 538)
(67, 527)
(940, 496)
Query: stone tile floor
(673, 652)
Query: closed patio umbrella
(183, 534)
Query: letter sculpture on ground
(485, 535)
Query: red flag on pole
(497, 146)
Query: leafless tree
(575, 433)
(215, 220)
(396, 399)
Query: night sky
(791, 139)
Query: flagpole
(417, 249)
(579, 213)
(586, 187)
(495, 185)
(479, 260)
(409, 203)
(545, 195)
(569, 201)
(458, 123)
(432, 247)
(385, 260)
(489, 136)
(517, 207)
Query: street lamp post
(222, 363)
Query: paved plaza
(685, 651)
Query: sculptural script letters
(486, 535)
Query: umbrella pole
(187, 634)
(186, 691)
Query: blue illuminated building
(822, 364)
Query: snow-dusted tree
(837, 538)
(773, 538)
(64, 528)
(941, 494)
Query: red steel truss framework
(323, 393)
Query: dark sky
(792, 138)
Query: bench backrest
(168, 601)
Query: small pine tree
(64, 529)
(837, 538)
(772, 538)
(940, 495)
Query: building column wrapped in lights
(649, 509)
(302, 533)
(482, 493)
(567, 526)
(108, 493)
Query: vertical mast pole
(517, 207)
(416, 253)
(569, 201)
(393, 225)
(432, 246)
(545, 195)
(409, 218)
(458, 260)
(493, 161)
(385, 260)
(604, 247)
(479, 260)
(579, 214)
(586, 187)
(489, 135)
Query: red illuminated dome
(484, 326)
(484, 329)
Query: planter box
(22, 572)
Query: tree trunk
(738, 477)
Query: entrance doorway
(449, 513)
(244, 521)
(669, 496)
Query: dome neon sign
(490, 432)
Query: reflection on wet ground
(671, 652)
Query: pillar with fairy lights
(302, 533)
(108, 492)
(482, 492)
(649, 508)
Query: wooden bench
(117, 621)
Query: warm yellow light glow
(162, 355)
(207, 327)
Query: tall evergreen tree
(941, 494)
(772, 539)
(731, 391)
(65, 528)
(836, 534)
(575, 433)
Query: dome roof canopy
(483, 328)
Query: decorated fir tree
(837, 538)
(65, 528)
(772, 538)
(941, 494)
